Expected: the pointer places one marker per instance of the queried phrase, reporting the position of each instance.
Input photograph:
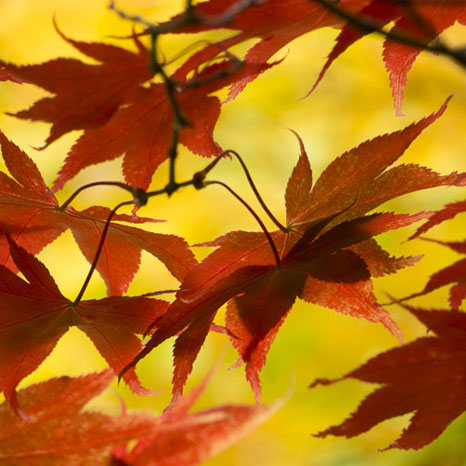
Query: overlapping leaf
(274, 22)
(425, 377)
(319, 270)
(352, 185)
(58, 432)
(278, 22)
(119, 115)
(454, 274)
(423, 21)
(35, 315)
(107, 85)
(31, 215)
(328, 256)
(142, 130)
(197, 436)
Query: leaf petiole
(253, 213)
(198, 182)
(119, 184)
(99, 250)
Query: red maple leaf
(423, 21)
(352, 185)
(453, 274)
(31, 215)
(274, 22)
(142, 130)
(327, 257)
(107, 85)
(426, 377)
(197, 436)
(447, 213)
(278, 22)
(35, 315)
(117, 103)
(56, 432)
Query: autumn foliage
(137, 106)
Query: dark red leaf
(183, 439)
(31, 215)
(424, 21)
(379, 11)
(57, 433)
(150, 111)
(448, 212)
(254, 318)
(348, 234)
(342, 282)
(35, 315)
(107, 85)
(328, 257)
(274, 22)
(426, 377)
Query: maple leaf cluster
(326, 254)
(57, 431)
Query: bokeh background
(352, 104)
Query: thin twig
(198, 182)
(99, 251)
(251, 210)
(417, 19)
(172, 87)
(368, 25)
(256, 192)
(229, 14)
(119, 184)
(223, 73)
(189, 17)
(179, 120)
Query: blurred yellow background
(352, 104)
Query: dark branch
(189, 17)
(368, 25)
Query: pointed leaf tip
(298, 188)
(425, 377)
